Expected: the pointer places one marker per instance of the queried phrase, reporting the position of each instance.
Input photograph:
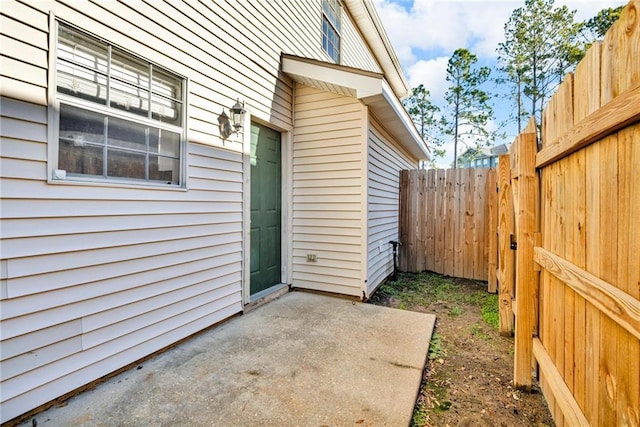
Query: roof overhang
(369, 87)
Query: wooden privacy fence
(445, 222)
(573, 209)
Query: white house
(131, 218)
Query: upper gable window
(120, 117)
(331, 15)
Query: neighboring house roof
(367, 20)
(499, 150)
(369, 87)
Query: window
(331, 11)
(120, 117)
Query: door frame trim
(286, 221)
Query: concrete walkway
(301, 360)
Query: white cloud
(438, 27)
(425, 33)
(443, 26)
(432, 73)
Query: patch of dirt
(468, 377)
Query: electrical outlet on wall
(381, 246)
(311, 258)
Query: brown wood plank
(440, 223)
(620, 65)
(479, 231)
(572, 414)
(628, 271)
(422, 218)
(403, 218)
(449, 223)
(586, 100)
(592, 356)
(459, 230)
(429, 213)
(616, 304)
(506, 257)
(469, 223)
(576, 251)
(526, 277)
(492, 231)
(621, 112)
(608, 264)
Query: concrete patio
(301, 360)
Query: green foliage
(420, 415)
(478, 331)
(489, 310)
(469, 111)
(596, 27)
(455, 311)
(541, 45)
(436, 351)
(423, 113)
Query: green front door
(265, 208)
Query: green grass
(412, 290)
(420, 415)
(489, 309)
(478, 331)
(455, 311)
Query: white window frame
(57, 176)
(338, 14)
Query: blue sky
(424, 34)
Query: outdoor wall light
(232, 123)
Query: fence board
(440, 198)
(449, 211)
(421, 232)
(449, 222)
(492, 232)
(459, 228)
(629, 269)
(506, 256)
(430, 224)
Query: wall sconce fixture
(232, 123)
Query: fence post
(526, 275)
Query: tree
(595, 28)
(541, 45)
(423, 113)
(469, 111)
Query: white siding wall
(386, 160)
(328, 171)
(354, 52)
(93, 277)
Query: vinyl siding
(386, 160)
(93, 277)
(354, 52)
(327, 187)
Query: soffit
(369, 87)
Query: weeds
(436, 350)
(455, 311)
(478, 331)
